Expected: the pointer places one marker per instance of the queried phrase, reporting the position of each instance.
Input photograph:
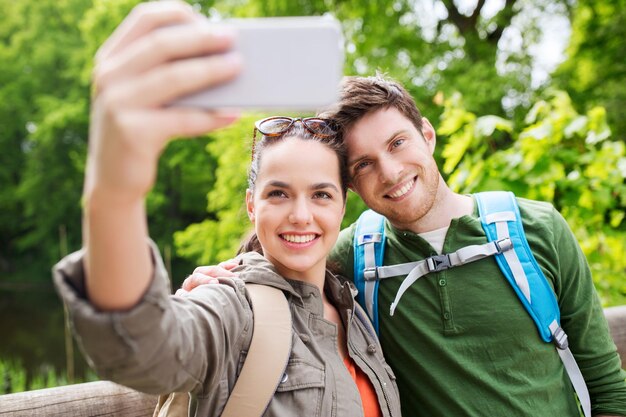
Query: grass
(14, 378)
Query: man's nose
(389, 170)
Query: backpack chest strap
(418, 269)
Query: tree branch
(476, 14)
(503, 20)
(461, 22)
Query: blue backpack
(501, 221)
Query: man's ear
(250, 205)
(429, 135)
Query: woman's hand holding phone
(161, 51)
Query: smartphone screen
(290, 63)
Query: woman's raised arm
(161, 51)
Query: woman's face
(297, 206)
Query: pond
(32, 331)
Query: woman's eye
(276, 193)
(323, 195)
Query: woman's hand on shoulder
(161, 51)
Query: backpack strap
(263, 367)
(500, 218)
(369, 246)
(268, 353)
(437, 263)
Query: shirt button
(446, 315)
(371, 349)
(305, 338)
(442, 282)
(284, 378)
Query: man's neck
(448, 205)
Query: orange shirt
(369, 400)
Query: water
(32, 330)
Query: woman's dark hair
(251, 242)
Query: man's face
(392, 167)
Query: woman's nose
(300, 213)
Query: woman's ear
(250, 204)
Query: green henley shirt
(461, 343)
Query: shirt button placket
(444, 298)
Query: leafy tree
(431, 46)
(595, 73)
(217, 237)
(556, 155)
(44, 118)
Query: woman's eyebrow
(324, 185)
(279, 184)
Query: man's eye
(361, 165)
(397, 142)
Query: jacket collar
(254, 268)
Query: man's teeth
(298, 238)
(402, 191)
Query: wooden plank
(101, 398)
(616, 316)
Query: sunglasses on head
(276, 126)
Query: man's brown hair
(360, 96)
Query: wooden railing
(104, 398)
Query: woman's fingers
(162, 46)
(191, 122)
(161, 85)
(143, 19)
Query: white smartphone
(289, 63)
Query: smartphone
(289, 63)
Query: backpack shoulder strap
(500, 218)
(263, 367)
(368, 246)
(268, 353)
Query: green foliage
(217, 238)
(43, 115)
(15, 378)
(12, 377)
(595, 72)
(556, 155)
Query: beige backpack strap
(268, 354)
(264, 366)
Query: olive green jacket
(198, 342)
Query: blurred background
(525, 95)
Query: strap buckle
(370, 274)
(560, 338)
(504, 245)
(438, 263)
